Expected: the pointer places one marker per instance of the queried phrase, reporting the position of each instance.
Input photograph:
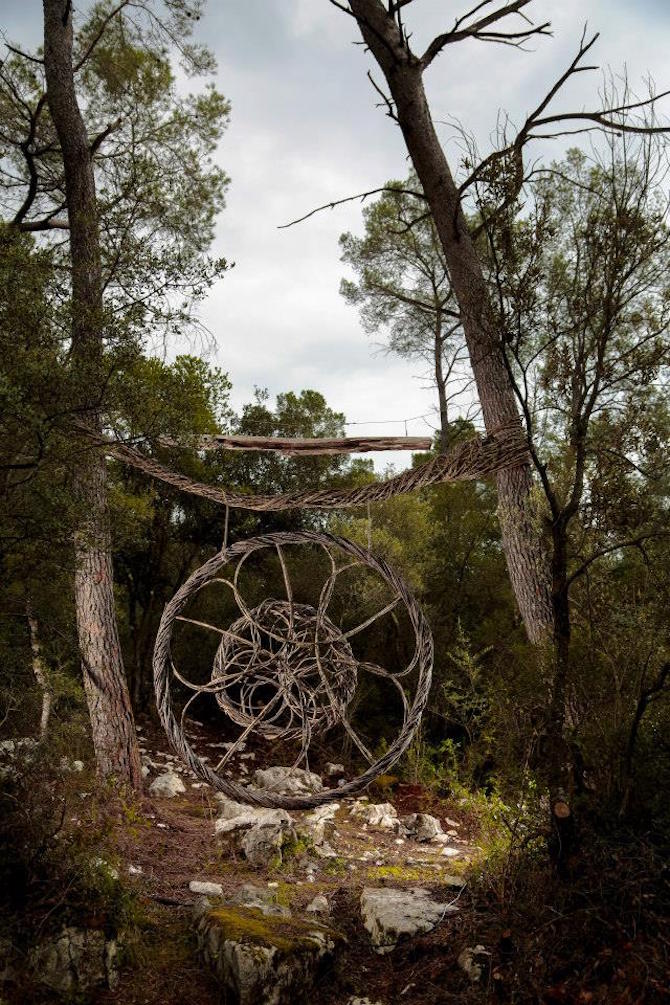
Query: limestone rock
(457, 882)
(321, 823)
(287, 781)
(392, 914)
(264, 898)
(382, 815)
(274, 960)
(452, 852)
(334, 769)
(262, 844)
(229, 807)
(245, 817)
(205, 889)
(167, 785)
(324, 850)
(319, 905)
(75, 961)
(474, 960)
(422, 826)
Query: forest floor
(598, 935)
(172, 842)
(539, 950)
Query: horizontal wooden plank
(318, 445)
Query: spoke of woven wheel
(327, 592)
(345, 722)
(247, 613)
(378, 671)
(359, 743)
(306, 740)
(327, 589)
(239, 600)
(213, 686)
(287, 584)
(371, 620)
(242, 737)
(209, 687)
(186, 707)
(213, 628)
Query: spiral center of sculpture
(286, 669)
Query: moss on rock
(261, 956)
(251, 925)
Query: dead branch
(352, 198)
(477, 29)
(312, 446)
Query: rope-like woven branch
(321, 644)
(476, 458)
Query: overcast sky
(305, 130)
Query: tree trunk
(112, 723)
(527, 564)
(39, 670)
(441, 383)
(558, 756)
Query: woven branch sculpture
(285, 671)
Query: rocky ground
(263, 905)
(396, 897)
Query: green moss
(283, 893)
(295, 848)
(248, 924)
(335, 866)
(402, 873)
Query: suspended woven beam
(305, 446)
(476, 458)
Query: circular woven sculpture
(284, 671)
(286, 657)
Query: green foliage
(57, 857)
(434, 765)
(158, 186)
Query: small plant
(432, 765)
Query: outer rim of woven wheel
(162, 671)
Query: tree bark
(558, 756)
(39, 670)
(441, 383)
(526, 561)
(112, 723)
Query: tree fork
(112, 723)
(526, 560)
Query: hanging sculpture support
(283, 670)
(476, 458)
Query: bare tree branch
(352, 198)
(477, 29)
(632, 542)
